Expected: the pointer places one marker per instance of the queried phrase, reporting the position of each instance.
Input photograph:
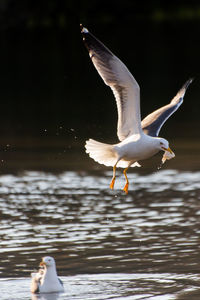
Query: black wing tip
(83, 29)
(188, 82)
(61, 282)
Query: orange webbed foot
(112, 183)
(125, 189)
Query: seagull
(46, 279)
(138, 139)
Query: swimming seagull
(46, 279)
(138, 140)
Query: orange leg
(125, 189)
(113, 178)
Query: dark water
(107, 245)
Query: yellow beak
(167, 149)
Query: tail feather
(102, 153)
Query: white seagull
(46, 279)
(138, 140)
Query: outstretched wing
(125, 88)
(152, 124)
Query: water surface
(107, 245)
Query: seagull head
(164, 145)
(47, 262)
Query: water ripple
(88, 228)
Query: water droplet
(160, 166)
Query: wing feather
(152, 124)
(125, 88)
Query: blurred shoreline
(59, 155)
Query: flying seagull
(46, 279)
(138, 140)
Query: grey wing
(60, 281)
(116, 75)
(152, 124)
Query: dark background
(49, 89)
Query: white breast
(137, 147)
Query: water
(107, 245)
